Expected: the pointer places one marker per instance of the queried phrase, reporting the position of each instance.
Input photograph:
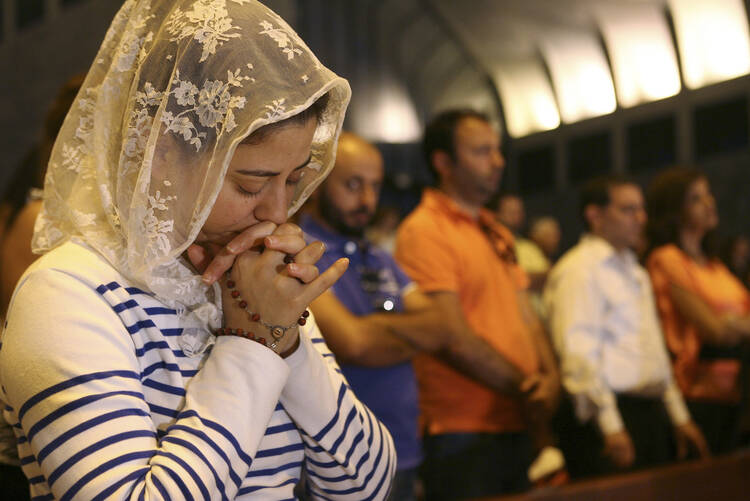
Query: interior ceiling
(435, 43)
(495, 30)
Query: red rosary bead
(277, 331)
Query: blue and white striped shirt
(105, 405)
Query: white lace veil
(185, 81)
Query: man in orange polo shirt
(476, 440)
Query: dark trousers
(472, 465)
(719, 424)
(13, 483)
(404, 485)
(646, 421)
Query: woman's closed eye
(254, 191)
(249, 192)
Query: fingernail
(293, 267)
(207, 279)
(232, 249)
(270, 241)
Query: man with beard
(477, 438)
(375, 319)
(376, 363)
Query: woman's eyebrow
(268, 173)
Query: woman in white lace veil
(201, 125)
(199, 76)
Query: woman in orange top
(704, 309)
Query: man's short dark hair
(597, 192)
(440, 134)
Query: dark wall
(708, 128)
(36, 60)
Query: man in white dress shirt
(602, 316)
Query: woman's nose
(273, 207)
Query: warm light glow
(713, 40)
(465, 89)
(528, 103)
(386, 114)
(580, 75)
(640, 48)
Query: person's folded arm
(359, 340)
(432, 260)
(674, 284)
(576, 315)
(549, 394)
(72, 377)
(380, 339)
(712, 327)
(455, 342)
(349, 453)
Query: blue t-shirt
(374, 282)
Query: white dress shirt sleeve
(675, 405)
(576, 315)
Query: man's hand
(541, 393)
(689, 436)
(619, 449)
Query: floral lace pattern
(157, 229)
(142, 155)
(275, 109)
(213, 104)
(207, 22)
(133, 44)
(282, 38)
